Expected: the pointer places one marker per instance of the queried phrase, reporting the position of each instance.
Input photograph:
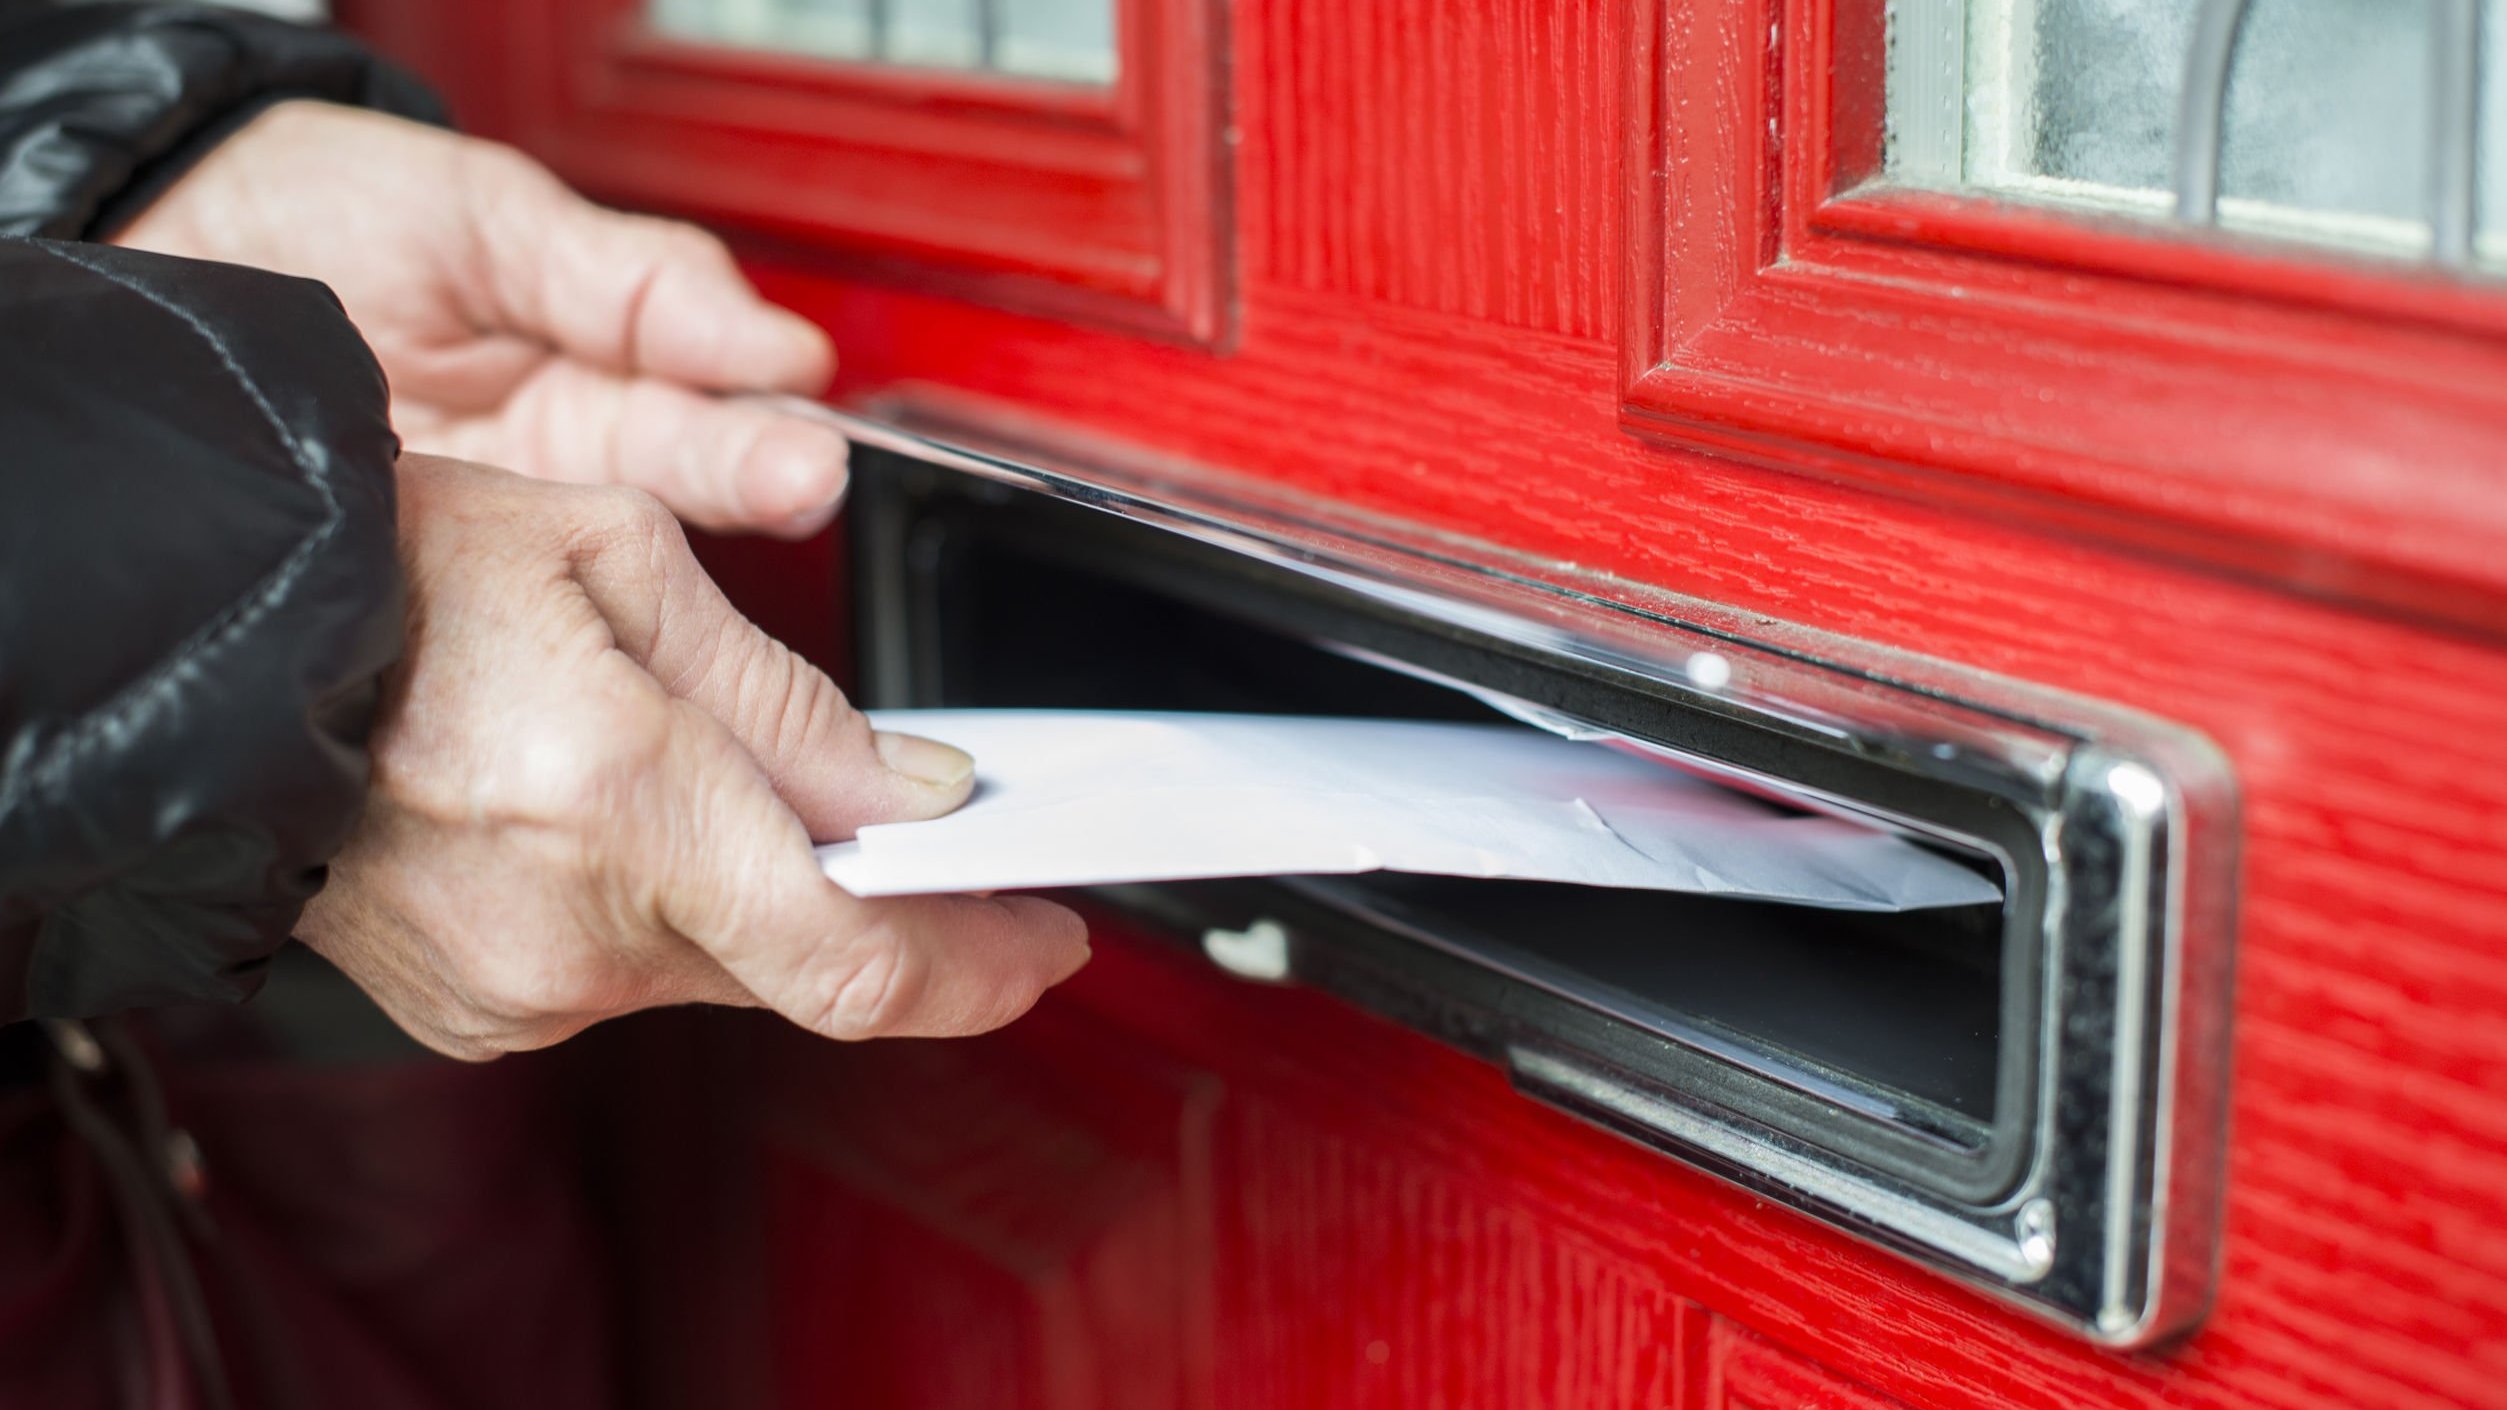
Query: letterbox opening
(1904, 1039)
(2026, 1093)
(1900, 1011)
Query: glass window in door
(1069, 41)
(2373, 125)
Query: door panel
(1431, 319)
(1021, 1222)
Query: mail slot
(2026, 1094)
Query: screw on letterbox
(2036, 1231)
(1709, 670)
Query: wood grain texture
(1506, 1256)
(1468, 1299)
(1015, 1223)
(1457, 159)
(1751, 1374)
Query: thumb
(821, 755)
(740, 884)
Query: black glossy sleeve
(198, 593)
(102, 106)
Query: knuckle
(508, 985)
(446, 1041)
(465, 1031)
(790, 705)
(711, 884)
(474, 1037)
(522, 994)
(501, 180)
(499, 173)
(873, 989)
(760, 678)
(627, 518)
(564, 787)
(580, 775)
(498, 160)
(815, 708)
(481, 1042)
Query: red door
(1919, 338)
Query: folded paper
(1077, 798)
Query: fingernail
(1081, 962)
(808, 478)
(809, 524)
(924, 760)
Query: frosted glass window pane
(2490, 199)
(744, 22)
(935, 34)
(2327, 133)
(2327, 101)
(1066, 40)
(828, 29)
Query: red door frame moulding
(2324, 422)
(1108, 206)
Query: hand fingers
(741, 882)
(721, 464)
(631, 292)
(821, 755)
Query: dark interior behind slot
(1909, 1004)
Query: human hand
(595, 790)
(521, 325)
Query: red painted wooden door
(1611, 282)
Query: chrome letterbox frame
(2111, 1226)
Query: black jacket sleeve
(198, 591)
(198, 582)
(103, 106)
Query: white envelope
(1076, 798)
